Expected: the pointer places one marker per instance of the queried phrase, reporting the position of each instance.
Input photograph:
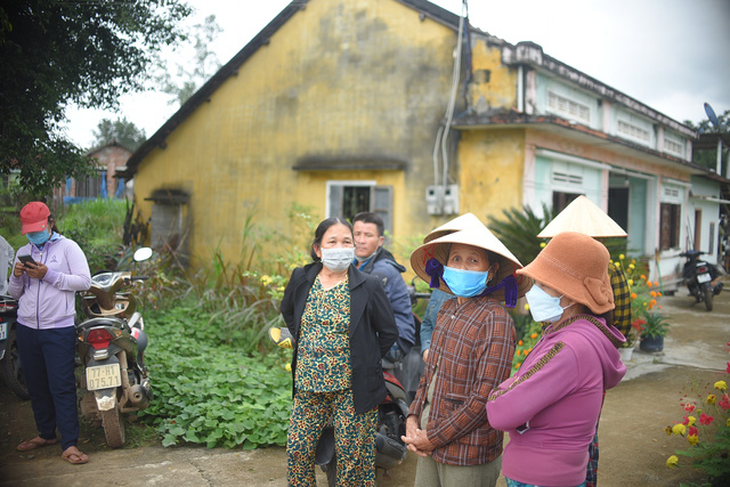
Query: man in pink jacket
(551, 406)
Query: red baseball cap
(34, 217)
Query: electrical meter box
(442, 200)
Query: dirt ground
(633, 444)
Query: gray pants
(430, 473)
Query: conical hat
(583, 216)
(462, 222)
(476, 235)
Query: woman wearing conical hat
(471, 352)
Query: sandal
(36, 442)
(75, 456)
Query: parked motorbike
(110, 345)
(393, 411)
(698, 276)
(9, 359)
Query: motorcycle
(698, 276)
(110, 346)
(9, 359)
(393, 411)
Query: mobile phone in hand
(26, 259)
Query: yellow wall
(342, 78)
(500, 90)
(491, 168)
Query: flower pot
(626, 353)
(652, 344)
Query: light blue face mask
(544, 307)
(38, 238)
(464, 283)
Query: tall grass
(240, 297)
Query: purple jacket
(50, 302)
(551, 406)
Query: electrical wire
(442, 136)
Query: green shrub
(96, 225)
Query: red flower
(706, 419)
(724, 402)
(689, 407)
(728, 365)
(693, 431)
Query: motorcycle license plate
(3, 330)
(103, 377)
(703, 278)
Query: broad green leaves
(211, 394)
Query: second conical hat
(461, 222)
(583, 216)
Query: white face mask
(338, 259)
(544, 307)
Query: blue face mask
(465, 284)
(544, 307)
(38, 238)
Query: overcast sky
(669, 54)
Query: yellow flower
(691, 421)
(542, 245)
(631, 282)
(679, 429)
(720, 385)
(622, 256)
(288, 367)
(527, 306)
(711, 399)
(668, 430)
(727, 423)
(632, 266)
(618, 264)
(693, 439)
(672, 461)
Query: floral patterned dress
(323, 356)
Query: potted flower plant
(627, 349)
(653, 331)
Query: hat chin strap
(511, 290)
(435, 269)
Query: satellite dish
(711, 115)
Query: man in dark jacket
(371, 258)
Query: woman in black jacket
(343, 325)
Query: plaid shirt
(471, 349)
(621, 298)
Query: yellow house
(403, 108)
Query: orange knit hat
(576, 265)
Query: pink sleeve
(520, 398)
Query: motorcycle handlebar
(692, 252)
(137, 278)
